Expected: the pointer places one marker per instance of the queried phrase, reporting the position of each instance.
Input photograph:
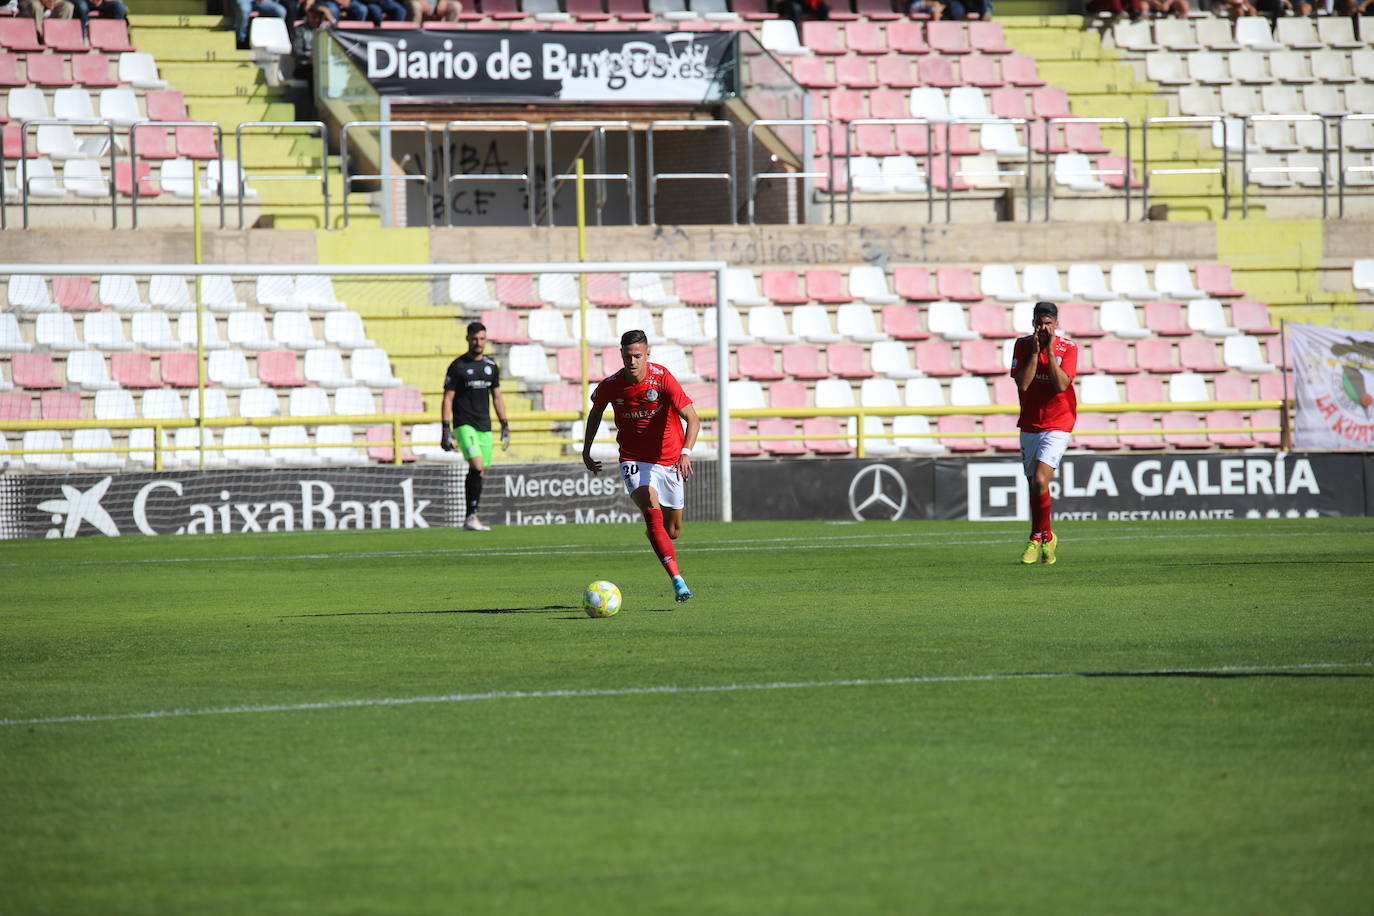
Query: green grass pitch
(869, 718)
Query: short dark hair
(476, 327)
(1045, 308)
(630, 338)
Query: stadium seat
(46, 440)
(11, 337)
(1095, 431)
(1199, 354)
(1208, 68)
(132, 370)
(74, 294)
(936, 357)
(1253, 32)
(1167, 69)
(40, 177)
(957, 284)
(913, 284)
(1205, 316)
(802, 361)
(783, 287)
(1216, 33)
(1113, 356)
(768, 323)
(87, 369)
(1252, 318)
(947, 320)
(780, 37)
(1128, 281)
(186, 331)
(1086, 281)
(105, 331)
(229, 368)
(848, 361)
(1338, 32)
(161, 404)
(812, 323)
(1138, 431)
(1077, 321)
(1183, 430)
(608, 291)
(1118, 317)
(982, 357)
(57, 331)
(855, 321)
(1243, 353)
(903, 322)
(1144, 389)
(868, 283)
(681, 326)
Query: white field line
(667, 689)
(889, 540)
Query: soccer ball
(601, 599)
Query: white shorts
(1043, 448)
(662, 477)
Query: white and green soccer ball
(601, 599)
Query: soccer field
(867, 718)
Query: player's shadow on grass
(1222, 675)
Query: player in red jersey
(655, 453)
(1044, 365)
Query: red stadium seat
(166, 105)
(1165, 319)
(1009, 103)
(1004, 390)
(1145, 436)
(784, 287)
(848, 361)
(1251, 317)
(740, 445)
(124, 180)
(1274, 350)
(16, 406)
(855, 73)
(1156, 356)
(1145, 389)
(907, 37)
(562, 397)
(110, 35)
(981, 70)
(60, 405)
(402, 400)
(49, 70)
(154, 142)
(759, 362)
(179, 370)
(279, 369)
(982, 357)
(888, 103)
(865, 37)
(587, 10)
(990, 321)
(19, 35)
(827, 287)
(936, 357)
(9, 73)
(1095, 431)
(937, 70)
(957, 284)
(1227, 419)
(1183, 430)
(960, 443)
(608, 290)
(1233, 387)
(93, 71)
(1199, 354)
(803, 361)
(913, 284)
(903, 322)
(380, 446)
(1215, 281)
(133, 370)
(1268, 418)
(987, 38)
(1114, 356)
(753, 10)
(75, 294)
(895, 72)
(517, 291)
(33, 371)
(948, 37)
(1272, 386)
(826, 426)
(1002, 423)
(503, 326)
(1115, 169)
(695, 288)
(197, 143)
(1079, 321)
(823, 37)
(1085, 138)
(787, 395)
(848, 105)
(775, 426)
(1020, 70)
(64, 35)
(1049, 102)
(813, 72)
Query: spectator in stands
(1233, 9)
(102, 9)
(441, 10)
(37, 9)
(1162, 9)
(934, 9)
(243, 10)
(797, 10)
(303, 38)
(1274, 10)
(1132, 9)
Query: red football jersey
(647, 421)
(1043, 408)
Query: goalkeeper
(471, 379)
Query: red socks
(1040, 516)
(659, 540)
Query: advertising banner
(500, 66)
(836, 489)
(1334, 401)
(1142, 488)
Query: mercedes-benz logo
(877, 492)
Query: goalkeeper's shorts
(475, 442)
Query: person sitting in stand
(935, 9)
(37, 9)
(102, 9)
(796, 10)
(431, 10)
(243, 15)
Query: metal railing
(852, 132)
(23, 170)
(195, 169)
(950, 173)
(656, 176)
(527, 176)
(597, 137)
(279, 127)
(1322, 170)
(1050, 172)
(1148, 172)
(384, 157)
(1341, 169)
(805, 175)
